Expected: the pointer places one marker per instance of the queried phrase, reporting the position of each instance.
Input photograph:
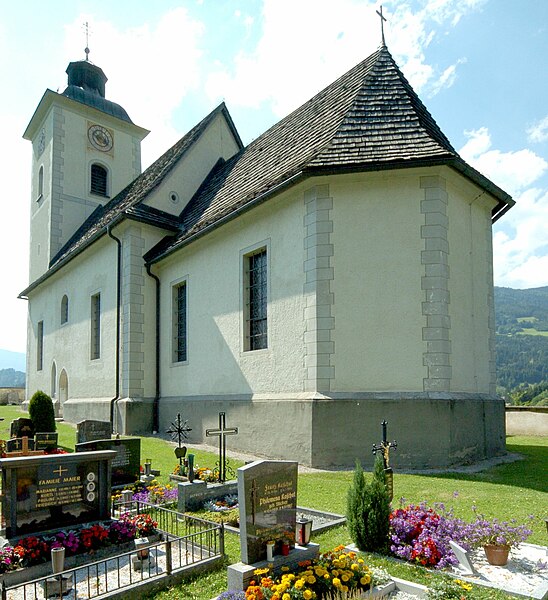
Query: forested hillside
(522, 343)
(11, 378)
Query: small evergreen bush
(368, 510)
(41, 412)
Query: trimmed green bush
(368, 510)
(41, 412)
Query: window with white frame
(95, 327)
(256, 300)
(99, 180)
(180, 333)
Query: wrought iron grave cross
(221, 433)
(179, 431)
(384, 447)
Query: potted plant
(496, 537)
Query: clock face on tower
(100, 138)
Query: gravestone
(465, 564)
(126, 465)
(90, 430)
(53, 491)
(17, 445)
(267, 491)
(46, 441)
(22, 427)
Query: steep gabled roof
(368, 119)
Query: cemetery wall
(527, 420)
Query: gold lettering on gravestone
(67, 494)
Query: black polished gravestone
(54, 491)
(22, 427)
(127, 462)
(46, 441)
(267, 490)
(90, 430)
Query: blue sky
(478, 65)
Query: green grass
(513, 490)
(531, 331)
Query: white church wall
(68, 344)
(470, 284)
(217, 141)
(217, 364)
(79, 155)
(377, 282)
(40, 207)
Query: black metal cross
(384, 446)
(382, 24)
(178, 431)
(86, 25)
(221, 433)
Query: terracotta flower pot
(496, 555)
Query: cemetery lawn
(513, 490)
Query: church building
(334, 273)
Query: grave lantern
(304, 529)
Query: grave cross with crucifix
(384, 447)
(221, 433)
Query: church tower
(86, 149)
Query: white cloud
(296, 57)
(539, 131)
(520, 245)
(512, 171)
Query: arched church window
(64, 309)
(40, 183)
(99, 180)
(53, 380)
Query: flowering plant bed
(335, 572)
(34, 550)
(483, 532)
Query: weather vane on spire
(382, 24)
(86, 50)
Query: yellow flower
(465, 586)
(355, 566)
(326, 576)
(307, 595)
(336, 582)
(286, 597)
(361, 561)
(345, 577)
(345, 588)
(365, 580)
(285, 568)
(299, 584)
(311, 579)
(335, 572)
(261, 571)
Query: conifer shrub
(368, 510)
(41, 412)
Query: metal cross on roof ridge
(86, 50)
(383, 19)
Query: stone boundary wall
(11, 395)
(527, 420)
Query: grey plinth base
(142, 564)
(57, 586)
(240, 574)
(192, 495)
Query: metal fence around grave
(197, 544)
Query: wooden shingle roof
(368, 119)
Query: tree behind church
(41, 412)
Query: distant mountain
(13, 360)
(522, 336)
(11, 378)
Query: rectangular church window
(95, 326)
(180, 341)
(256, 300)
